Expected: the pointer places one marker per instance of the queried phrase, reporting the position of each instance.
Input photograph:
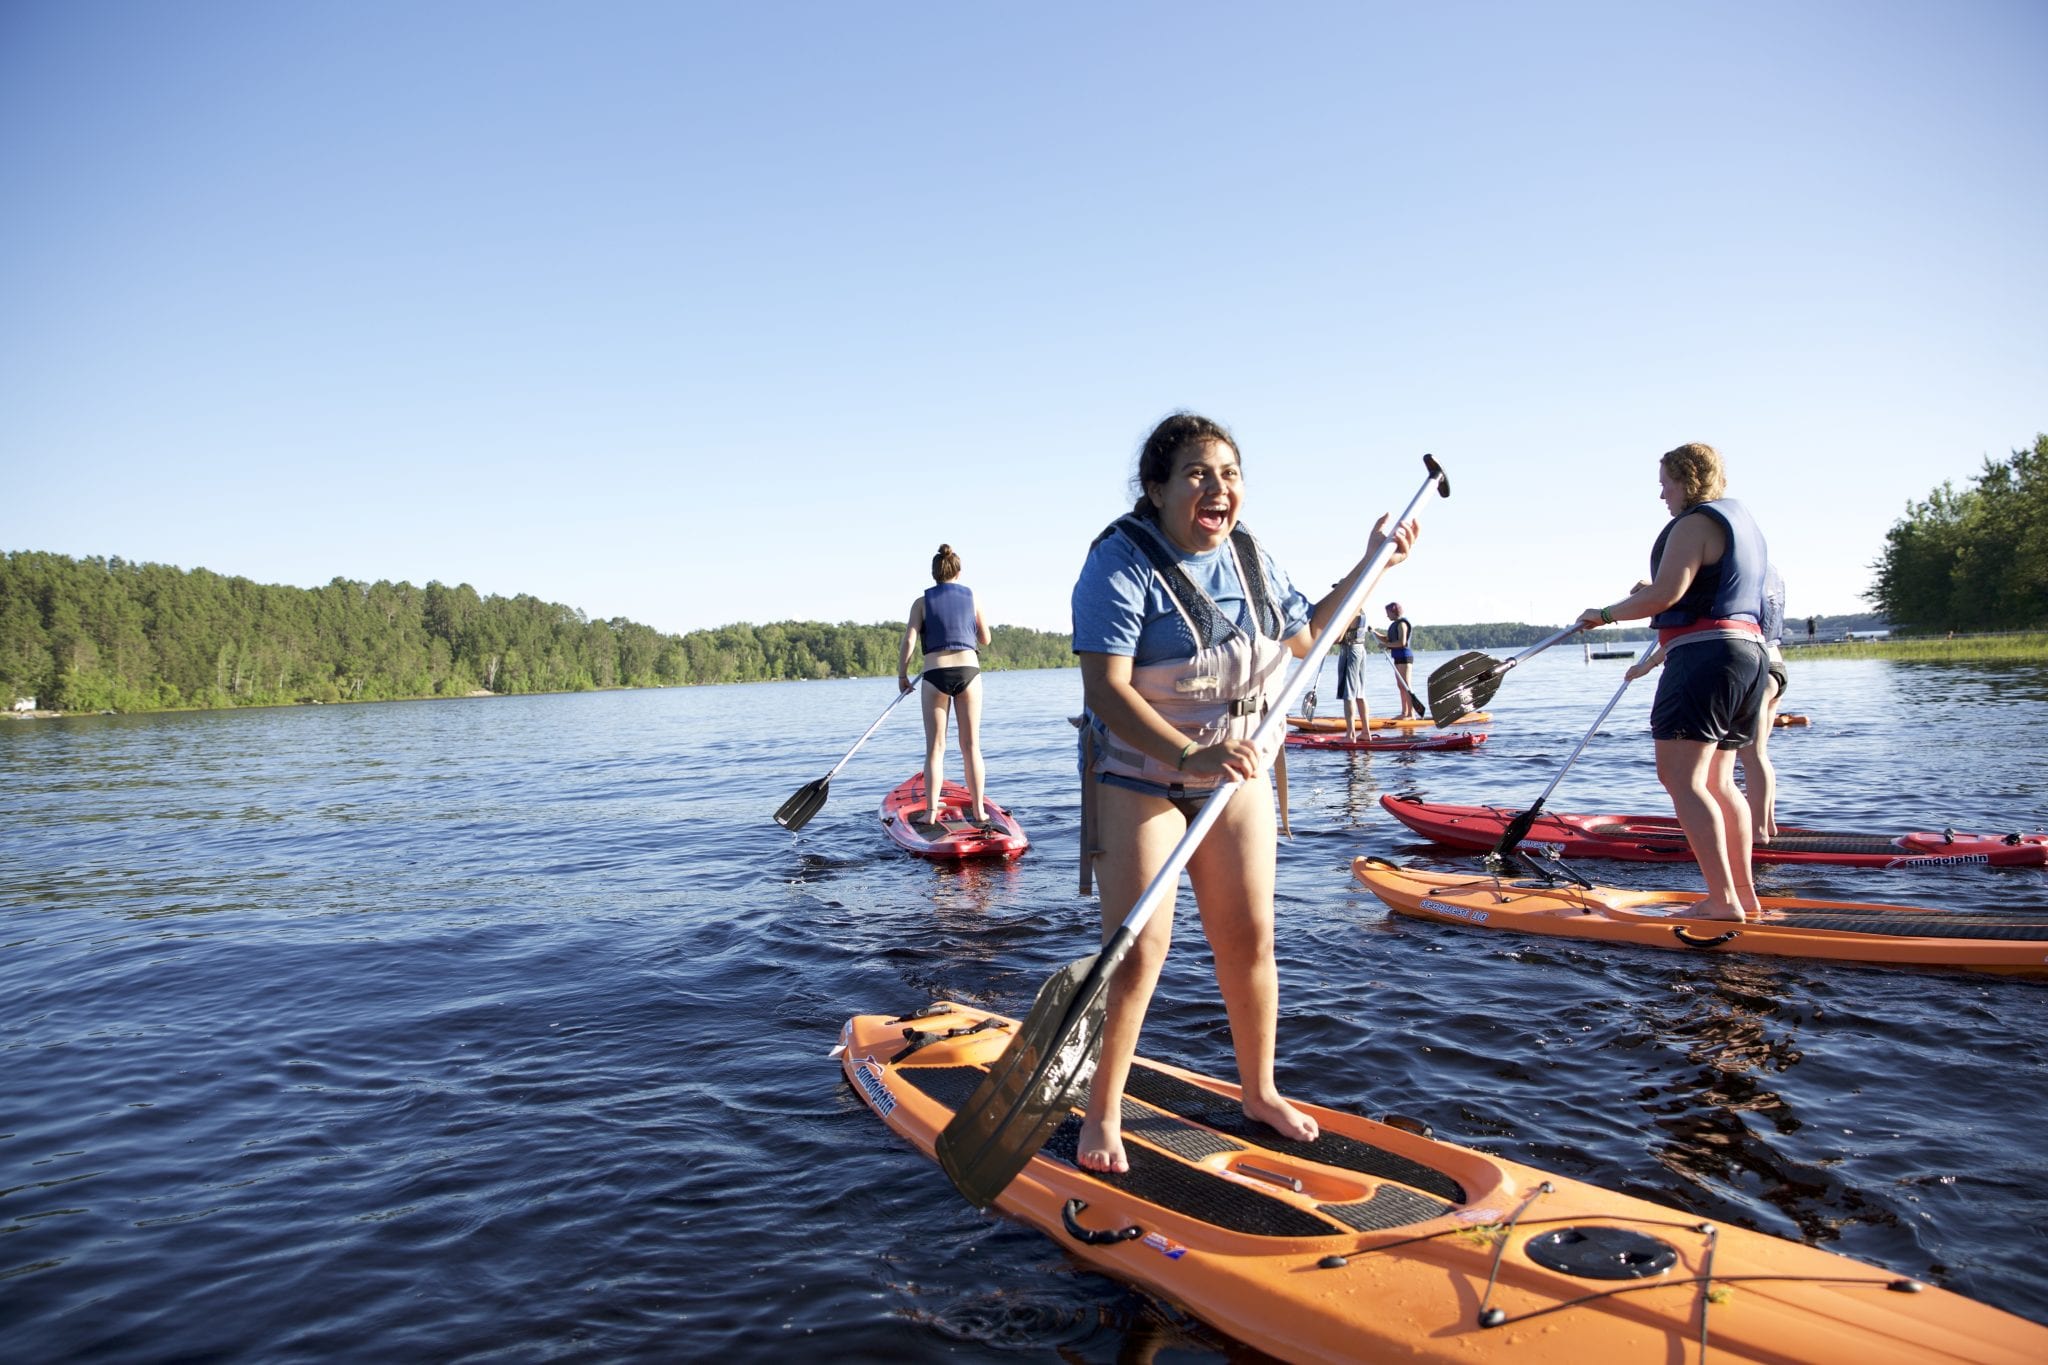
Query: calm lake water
(498, 1028)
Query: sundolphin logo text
(877, 1092)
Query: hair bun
(945, 549)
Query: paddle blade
(1517, 830)
(796, 812)
(1033, 1086)
(1462, 686)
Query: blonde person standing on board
(1706, 599)
(1398, 638)
(949, 620)
(1185, 629)
(1759, 774)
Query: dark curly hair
(1164, 445)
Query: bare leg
(969, 717)
(1735, 820)
(936, 705)
(1759, 775)
(1232, 873)
(1687, 770)
(1408, 708)
(1138, 834)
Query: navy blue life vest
(949, 618)
(1732, 590)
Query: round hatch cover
(1600, 1253)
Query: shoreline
(2007, 647)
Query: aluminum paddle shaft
(1518, 828)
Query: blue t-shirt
(1772, 621)
(1122, 607)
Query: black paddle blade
(796, 812)
(1517, 830)
(1462, 686)
(1033, 1086)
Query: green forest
(1975, 559)
(110, 635)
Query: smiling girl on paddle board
(1184, 627)
(1706, 599)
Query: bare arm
(981, 630)
(909, 644)
(1106, 687)
(1403, 537)
(1695, 543)
(1647, 664)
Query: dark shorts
(952, 681)
(1778, 676)
(1401, 655)
(1711, 692)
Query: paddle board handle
(1285, 1182)
(1095, 1237)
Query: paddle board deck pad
(954, 835)
(1323, 725)
(1406, 743)
(2012, 942)
(1376, 1242)
(1659, 839)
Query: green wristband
(1606, 617)
(1181, 763)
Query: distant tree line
(106, 634)
(1975, 559)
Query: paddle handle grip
(1160, 889)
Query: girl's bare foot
(1101, 1147)
(1283, 1118)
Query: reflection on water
(463, 1026)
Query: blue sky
(699, 313)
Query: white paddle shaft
(1594, 729)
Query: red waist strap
(1671, 633)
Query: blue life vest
(1226, 688)
(949, 618)
(1732, 590)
